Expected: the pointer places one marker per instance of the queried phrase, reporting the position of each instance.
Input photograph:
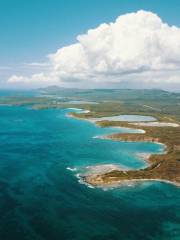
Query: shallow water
(41, 200)
(129, 118)
(81, 102)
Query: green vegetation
(163, 105)
(165, 166)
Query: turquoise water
(41, 200)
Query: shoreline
(160, 168)
(139, 130)
(119, 183)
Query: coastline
(119, 183)
(71, 115)
(150, 173)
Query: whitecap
(71, 169)
(81, 181)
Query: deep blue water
(41, 200)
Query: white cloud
(38, 78)
(136, 47)
(17, 79)
(38, 64)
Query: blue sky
(30, 30)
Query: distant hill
(111, 94)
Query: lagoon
(128, 118)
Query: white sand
(156, 124)
(103, 168)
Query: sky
(49, 42)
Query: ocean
(41, 198)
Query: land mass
(163, 105)
(163, 167)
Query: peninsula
(162, 167)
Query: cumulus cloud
(37, 79)
(136, 47)
(17, 79)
